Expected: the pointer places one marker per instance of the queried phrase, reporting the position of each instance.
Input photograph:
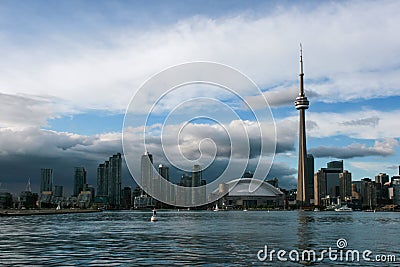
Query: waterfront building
(186, 180)
(114, 180)
(382, 189)
(196, 175)
(147, 172)
(126, 201)
(301, 105)
(6, 200)
(46, 199)
(345, 186)
(163, 171)
(235, 194)
(368, 193)
(167, 189)
(58, 190)
(27, 199)
(91, 189)
(79, 180)
(46, 180)
(356, 190)
(183, 195)
(102, 179)
(326, 185)
(198, 192)
(310, 178)
(84, 200)
(396, 191)
(144, 202)
(319, 187)
(58, 197)
(109, 181)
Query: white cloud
(363, 124)
(349, 47)
(19, 111)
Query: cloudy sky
(69, 69)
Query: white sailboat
(216, 207)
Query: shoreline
(9, 213)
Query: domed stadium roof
(252, 187)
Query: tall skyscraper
(382, 191)
(319, 187)
(368, 192)
(198, 193)
(166, 189)
(114, 180)
(345, 185)
(79, 180)
(196, 175)
(310, 178)
(326, 185)
(109, 180)
(396, 191)
(302, 104)
(46, 180)
(147, 172)
(102, 179)
(163, 171)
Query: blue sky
(70, 68)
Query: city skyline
(63, 93)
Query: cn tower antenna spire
(301, 72)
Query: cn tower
(301, 104)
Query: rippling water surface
(187, 238)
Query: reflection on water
(230, 238)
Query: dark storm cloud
(24, 152)
(285, 174)
(380, 148)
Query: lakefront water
(187, 238)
